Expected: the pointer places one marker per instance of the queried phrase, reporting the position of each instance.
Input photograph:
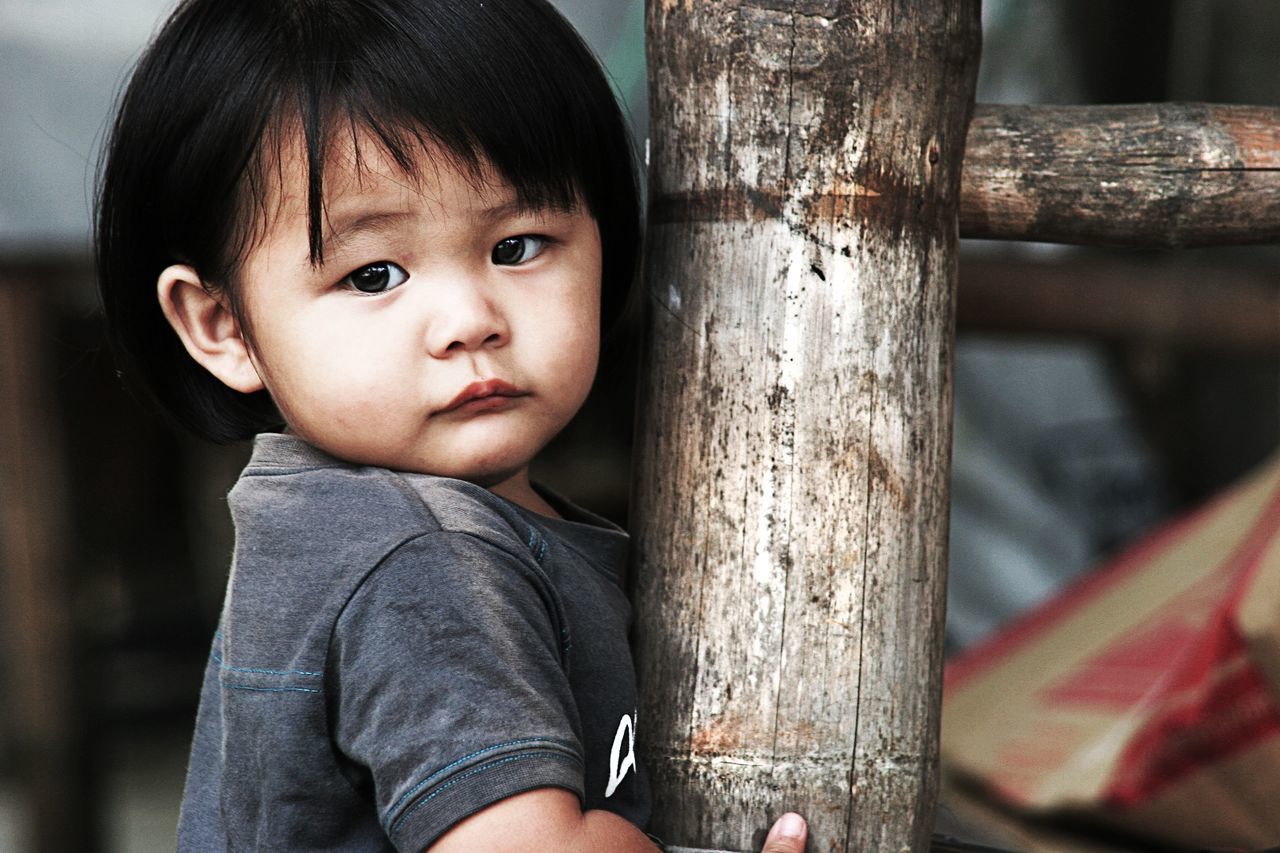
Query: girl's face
(448, 331)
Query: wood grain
(793, 447)
(1156, 175)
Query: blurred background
(114, 540)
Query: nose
(464, 319)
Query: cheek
(323, 374)
(579, 310)
(579, 353)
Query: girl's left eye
(377, 278)
(518, 250)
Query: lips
(481, 396)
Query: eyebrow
(342, 229)
(516, 207)
(345, 227)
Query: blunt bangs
(503, 88)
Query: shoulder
(315, 536)
(477, 574)
(470, 607)
(470, 554)
(291, 492)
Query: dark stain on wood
(790, 135)
(1144, 175)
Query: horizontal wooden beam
(1145, 175)
(1187, 305)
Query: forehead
(359, 172)
(300, 178)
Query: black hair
(501, 84)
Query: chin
(487, 481)
(487, 472)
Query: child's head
(274, 159)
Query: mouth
(483, 396)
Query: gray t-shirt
(398, 651)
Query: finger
(788, 835)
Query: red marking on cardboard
(1233, 711)
(1245, 560)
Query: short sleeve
(449, 684)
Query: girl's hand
(549, 819)
(788, 835)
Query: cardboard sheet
(1146, 695)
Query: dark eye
(377, 278)
(518, 250)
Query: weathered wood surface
(1170, 302)
(794, 438)
(1166, 175)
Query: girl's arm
(549, 819)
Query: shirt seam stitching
(254, 669)
(399, 822)
(426, 780)
(254, 689)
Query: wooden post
(794, 441)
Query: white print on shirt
(618, 772)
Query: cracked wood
(1153, 175)
(793, 445)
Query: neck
(520, 491)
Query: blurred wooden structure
(36, 613)
(98, 606)
(792, 469)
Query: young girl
(382, 236)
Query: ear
(207, 328)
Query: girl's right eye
(377, 278)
